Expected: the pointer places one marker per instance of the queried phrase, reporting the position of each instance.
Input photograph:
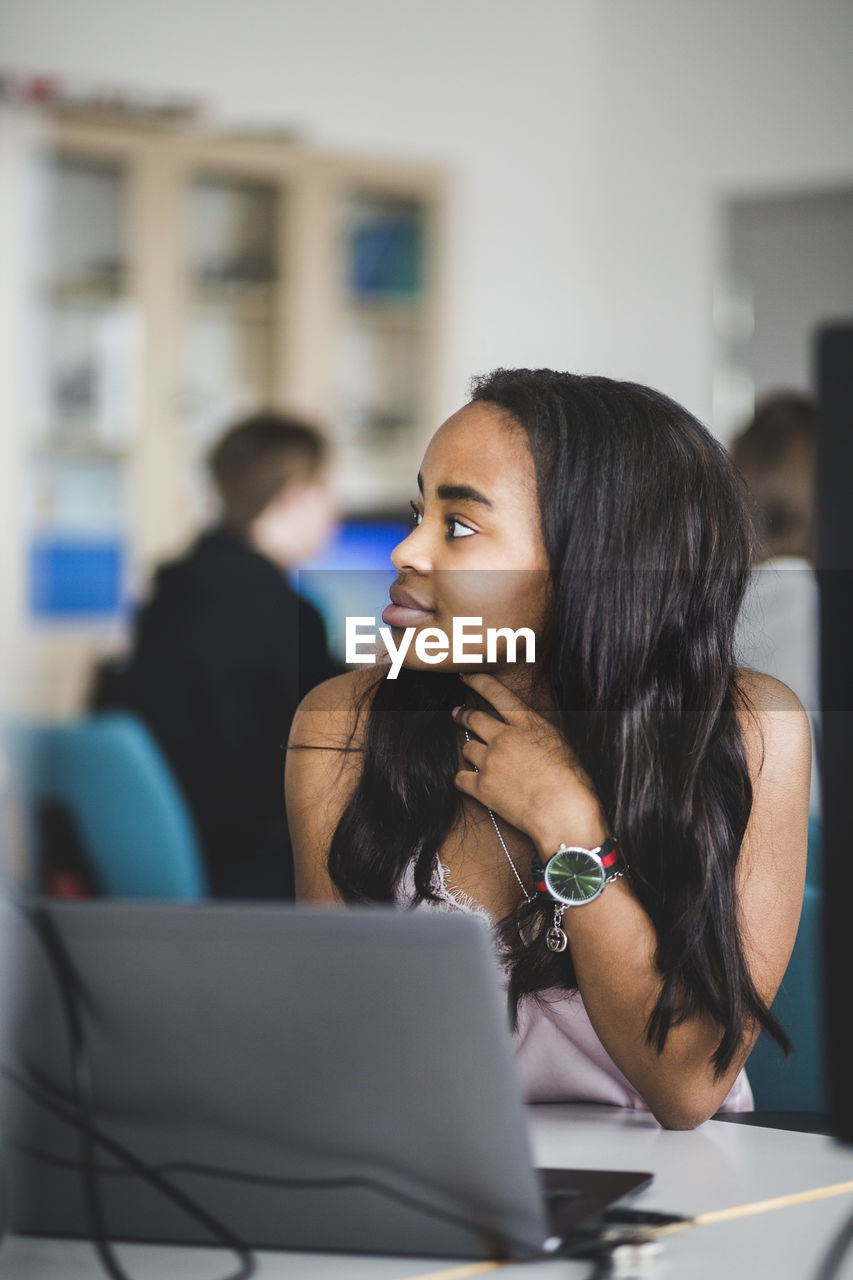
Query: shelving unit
(178, 281)
(387, 235)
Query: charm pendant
(555, 938)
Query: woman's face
(476, 550)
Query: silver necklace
(527, 896)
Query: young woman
(641, 962)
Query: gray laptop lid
(316, 1079)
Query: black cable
(135, 1165)
(81, 1116)
(157, 1174)
(586, 1242)
(60, 1162)
(77, 1107)
(81, 1079)
(836, 1252)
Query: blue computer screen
(75, 577)
(352, 575)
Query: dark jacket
(223, 652)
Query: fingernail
(455, 712)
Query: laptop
(307, 1078)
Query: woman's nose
(413, 552)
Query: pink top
(559, 1054)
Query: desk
(712, 1167)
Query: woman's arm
(321, 772)
(612, 940)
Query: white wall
(706, 100)
(590, 140)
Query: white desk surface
(713, 1167)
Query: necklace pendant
(555, 938)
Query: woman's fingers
(478, 722)
(507, 704)
(474, 753)
(466, 780)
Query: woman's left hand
(527, 772)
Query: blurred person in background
(778, 626)
(225, 648)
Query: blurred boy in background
(225, 648)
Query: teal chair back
(798, 1084)
(814, 865)
(132, 820)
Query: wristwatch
(574, 876)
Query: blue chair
(800, 1083)
(814, 864)
(133, 822)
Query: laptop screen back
(336, 1080)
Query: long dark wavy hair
(649, 542)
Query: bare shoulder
(777, 741)
(324, 764)
(333, 714)
(767, 692)
(774, 726)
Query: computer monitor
(834, 505)
(352, 575)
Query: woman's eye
(455, 528)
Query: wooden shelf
(86, 289)
(82, 450)
(387, 313)
(199, 348)
(247, 301)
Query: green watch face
(575, 876)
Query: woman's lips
(403, 615)
(405, 610)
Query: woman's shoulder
(324, 763)
(774, 726)
(766, 692)
(772, 865)
(763, 696)
(333, 714)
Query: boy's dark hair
(775, 454)
(257, 458)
